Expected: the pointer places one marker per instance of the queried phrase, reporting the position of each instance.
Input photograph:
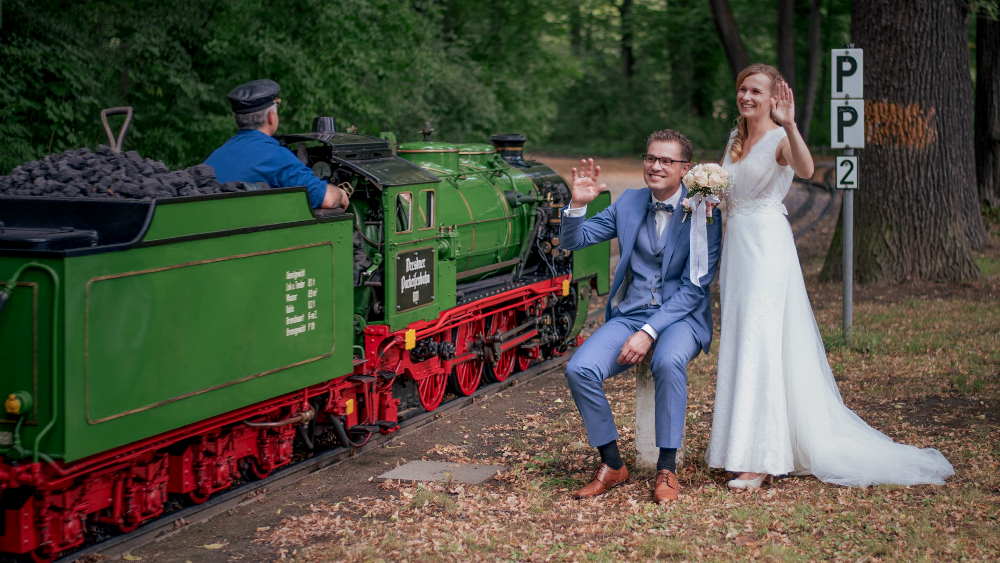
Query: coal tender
(165, 336)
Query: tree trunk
(725, 24)
(988, 111)
(786, 40)
(683, 97)
(575, 30)
(815, 67)
(915, 209)
(628, 55)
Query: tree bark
(988, 110)
(815, 69)
(786, 40)
(915, 210)
(627, 35)
(725, 24)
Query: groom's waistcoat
(644, 281)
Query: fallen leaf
(213, 546)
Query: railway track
(410, 422)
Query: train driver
(253, 155)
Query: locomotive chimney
(324, 125)
(511, 147)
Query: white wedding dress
(777, 407)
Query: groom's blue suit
(651, 286)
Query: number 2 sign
(847, 172)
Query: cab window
(429, 207)
(404, 212)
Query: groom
(653, 306)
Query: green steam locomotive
(168, 348)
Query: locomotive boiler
(168, 348)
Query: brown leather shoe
(667, 487)
(605, 479)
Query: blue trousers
(596, 361)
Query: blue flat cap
(254, 96)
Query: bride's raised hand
(783, 104)
(584, 183)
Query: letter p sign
(847, 108)
(848, 68)
(847, 124)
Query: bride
(777, 407)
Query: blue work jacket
(252, 156)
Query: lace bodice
(759, 183)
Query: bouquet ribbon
(699, 236)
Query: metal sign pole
(847, 132)
(848, 231)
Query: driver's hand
(335, 198)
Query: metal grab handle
(301, 418)
(116, 143)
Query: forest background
(577, 76)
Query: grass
(923, 367)
(861, 341)
(424, 498)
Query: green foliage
(376, 64)
(554, 71)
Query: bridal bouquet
(706, 183)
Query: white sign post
(847, 131)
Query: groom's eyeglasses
(650, 159)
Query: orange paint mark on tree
(891, 124)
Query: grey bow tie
(660, 206)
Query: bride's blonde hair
(742, 127)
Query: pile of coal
(104, 173)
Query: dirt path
(230, 537)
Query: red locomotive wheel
(503, 365)
(467, 376)
(431, 390)
(197, 497)
(524, 360)
(126, 527)
(259, 472)
(43, 555)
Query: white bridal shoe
(754, 483)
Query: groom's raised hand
(635, 348)
(585, 187)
